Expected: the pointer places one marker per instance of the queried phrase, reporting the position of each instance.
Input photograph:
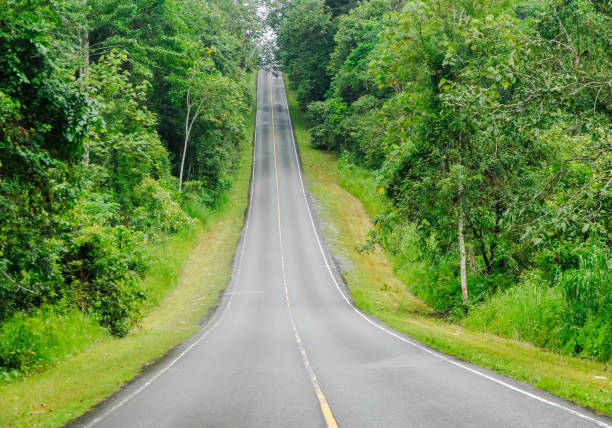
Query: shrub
(103, 268)
(327, 118)
(158, 210)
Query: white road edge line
(229, 303)
(397, 336)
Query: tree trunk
(85, 46)
(483, 253)
(472, 259)
(189, 120)
(85, 69)
(464, 290)
(187, 132)
(183, 161)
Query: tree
(190, 117)
(305, 41)
(354, 40)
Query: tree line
(119, 124)
(488, 127)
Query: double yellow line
(325, 408)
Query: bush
(327, 118)
(158, 210)
(365, 135)
(103, 268)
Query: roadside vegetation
(123, 126)
(479, 137)
(348, 199)
(84, 363)
(198, 271)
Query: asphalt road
(286, 348)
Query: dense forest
(120, 122)
(487, 125)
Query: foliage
(328, 117)
(101, 270)
(354, 40)
(166, 43)
(489, 117)
(214, 138)
(44, 120)
(92, 107)
(305, 41)
(159, 209)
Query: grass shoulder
(376, 289)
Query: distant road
(286, 348)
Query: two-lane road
(286, 348)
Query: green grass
(360, 183)
(195, 268)
(377, 290)
(166, 261)
(527, 311)
(45, 337)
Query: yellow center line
(325, 408)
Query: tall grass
(360, 183)
(571, 316)
(530, 311)
(28, 343)
(166, 260)
(588, 291)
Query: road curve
(286, 348)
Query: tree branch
(17, 285)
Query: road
(286, 348)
